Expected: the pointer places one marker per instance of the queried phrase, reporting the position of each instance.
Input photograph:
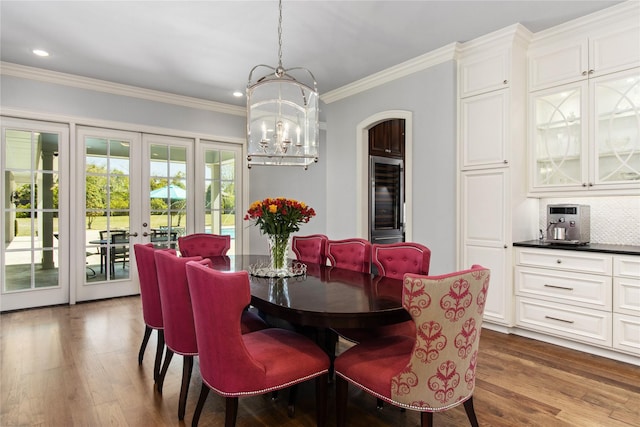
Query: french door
(107, 228)
(35, 223)
(136, 190)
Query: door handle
(145, 234)
(133, 234)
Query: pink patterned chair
(436, 369)
(180, 333)
(151, 305)
(235, 365)
(350, 254)
(310, 248)
(204, 245)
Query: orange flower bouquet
(278, 218)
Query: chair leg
(321, 400)
(143, 346)
(165, 367)
(204, 392)
(187, 368)
(342, 387)
(471, 413)
(331, 342)
(426, 419)
(231, 412)
(293, 394)
(159, 351)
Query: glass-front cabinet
(586, 136)
(616, 129)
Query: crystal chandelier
(282, 115)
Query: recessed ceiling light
(237, 94)
(40, 52)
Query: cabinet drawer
(585, 290)
(626, 266)
(575, 323)
(581, 262)
(626, 333)
(626, 296)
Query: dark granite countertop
(592, 247)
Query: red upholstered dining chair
(350, 254)
(204, 244)
(393, 260)
(180, 333)
(436, 369)
(234, 365)
(151, 305)
(310, 248)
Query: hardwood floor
(77, 365)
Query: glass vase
(278, 249)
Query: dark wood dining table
(325, 297)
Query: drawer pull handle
(558, 287)
(559, 320)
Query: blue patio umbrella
(171, 191)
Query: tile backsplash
(614, 220)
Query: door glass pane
(107, 205)
(558, 138)
(617, 124)
(220, 194)
(168, 194)
(31, 210)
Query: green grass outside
(119, 222)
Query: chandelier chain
(280, 35)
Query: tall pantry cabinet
(493, 210)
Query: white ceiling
(205, 49)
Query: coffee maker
(568, 224)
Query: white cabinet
(486, 72)
(491, 144)
(584, 104)
(484, 207)
(484, 130)
(588, 297)
(626, 304)
(564, 59)
(586, 135)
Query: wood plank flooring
(77, 366)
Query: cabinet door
(558, 64)
(615, 50)
(387, 139)
(558, 135)
(484, 234)
(484, 122)
(484, 73)
(616, 129)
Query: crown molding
(39, 74)
(516, 34)
(615, 15)
(438, 56)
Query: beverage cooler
(386, 200)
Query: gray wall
(328, 186)
(431, 96)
